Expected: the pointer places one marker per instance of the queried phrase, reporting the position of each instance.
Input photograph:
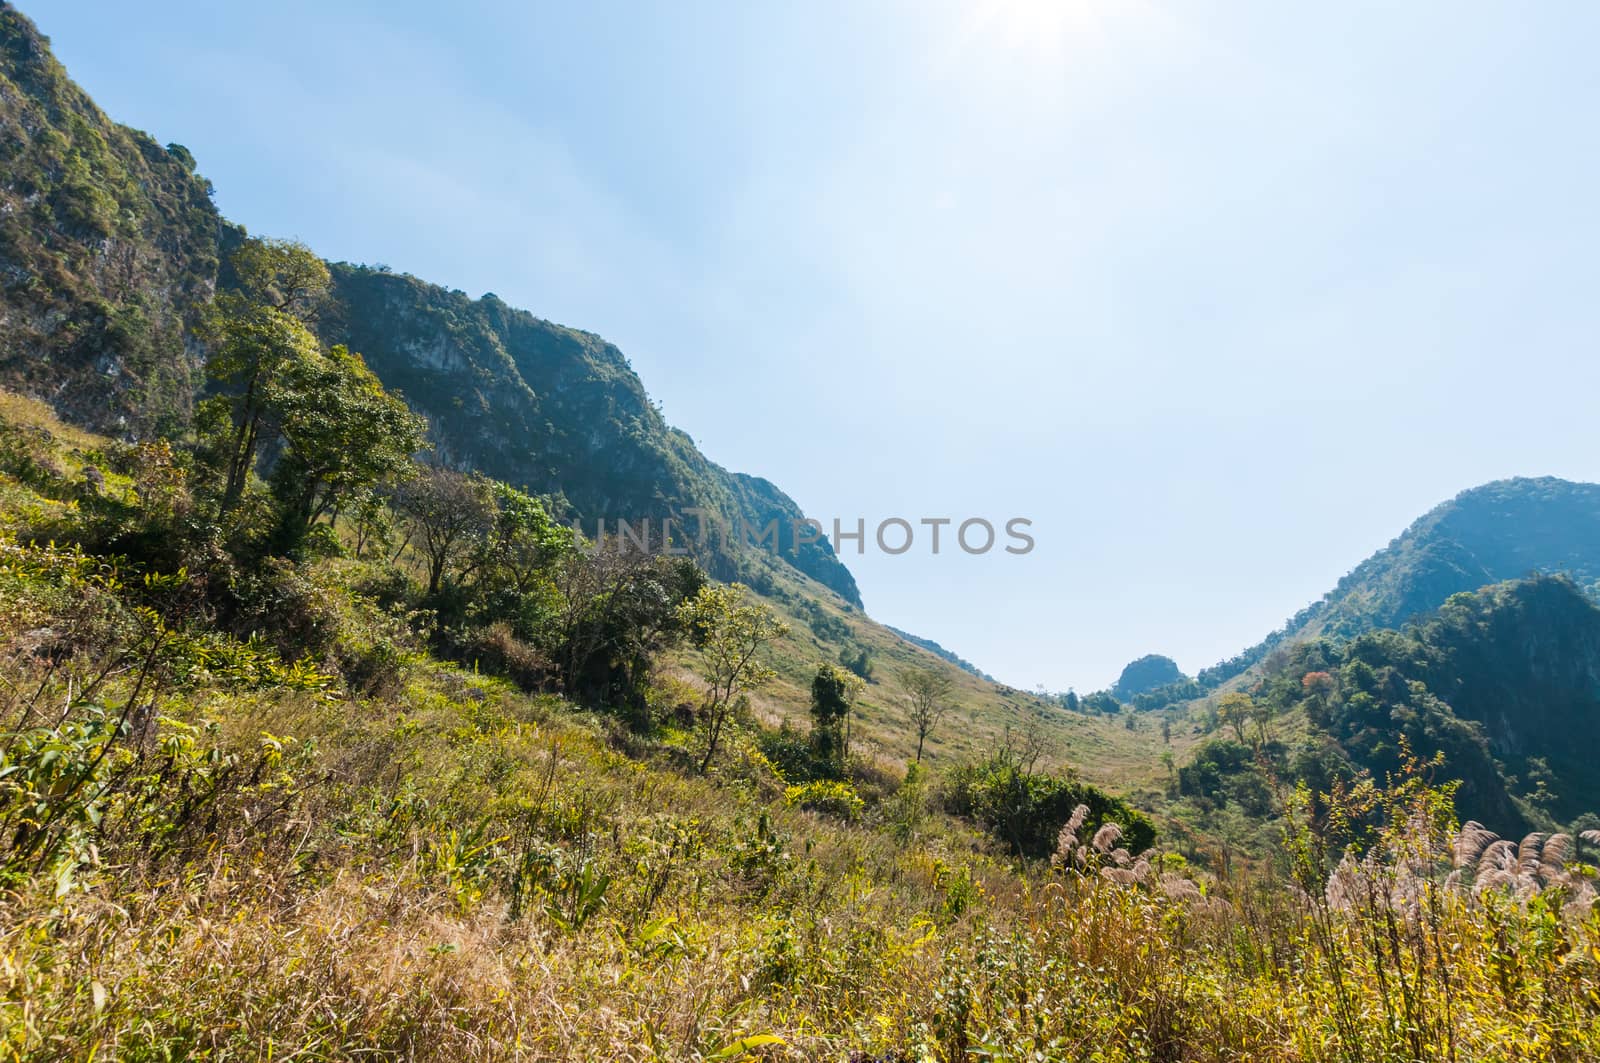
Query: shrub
(827, 796)
(497, 651)
(1026, 809)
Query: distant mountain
(109, 244)
(939, 651)
(1503, 530)
(1146, 674)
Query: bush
(495, 650)
(282, 604)
(793, 755)
(827, 796)
(1026, 809)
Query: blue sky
(1221, 297)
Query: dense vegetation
(1500, 531)
(1498, 689)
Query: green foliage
(344, 435)
(1102, 702)
(614, 613)
(1495, 683)
(1025, 809)
(859, 661)
(1225, 772)
(730, 634)
(830, 797)
(833, 692)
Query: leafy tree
(343, 433)
(281, 275)
(1236, 709)
(731, 635)
(833, 693)
(447, 516)
(255, 332)
(614, 613)
(524, 543)
(928, 699)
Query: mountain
(557, 411)
(1504, 530)
(1148, 673)
(109, 244)
(1500, 531)
(944, 654)
(1473, 636)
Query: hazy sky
(1220, 296)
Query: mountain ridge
(110, 244)
(1501, 530)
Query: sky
(1220, 297)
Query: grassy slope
(284, 871)
(1100, 749)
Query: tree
(928, 695)
(1261, 713)
(1236, 709)
(730, 635)
(254, 332)
(447, 516)
(833, 693)
(612, 613)
(282, 275)
(524, 543)
(344, 434)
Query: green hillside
(553, 410)
(108, 243)
(1504, 530)
(1501, 686)
(112, 247)
(558, 412)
